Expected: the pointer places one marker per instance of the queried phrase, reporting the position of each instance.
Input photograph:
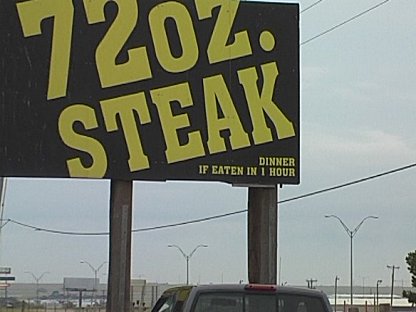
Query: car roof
(250, 287)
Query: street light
(351, 234)
(378, 283)
(187, 257)
(95, 270)
(336, 288)
(37, 279)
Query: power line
(219, 216)
(311, 6)
(349, 183)
(329, 189)
(344, 22)
(51, 231)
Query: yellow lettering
(219, 49)
(277, 161)
(252, 171)
(203, 169)
(216, 92)
(261, 104)
(237, 170)
(86, 116)
(125, 107)
(31, 14)
(227, 170)
(137, 67)
(157, 20)
(281, 172)
(170, 123)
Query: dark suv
(242, 298)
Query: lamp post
(336, 288)
(378, 283)
(351, 234)
(37, 279)
(95, 270)
(187, 257)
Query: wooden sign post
(118, 289)
(262, 235)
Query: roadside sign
(7, 278)
(5, 270)
(150, 90)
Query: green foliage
(411, 261)
(411, 296)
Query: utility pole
(392, 267)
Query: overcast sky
(358, 118)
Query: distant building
(144, 293)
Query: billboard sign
(150, 90)
(5, 270)
(80, 283)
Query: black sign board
(7, 278)
(150, 90)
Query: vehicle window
(165, 304)
(231, 302)
(219, 303)
(296, 303)
(182, 296)
(263, 303)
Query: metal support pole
(80, 300)
(378, 283)
(188, 257)
(351, 234)
(95, 270)
(37, 279)
(187, 270)
(336, 291)
(351, 272)
(262, 235)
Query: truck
(242, 298)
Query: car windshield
(239, 302)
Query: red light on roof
(260, 287)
